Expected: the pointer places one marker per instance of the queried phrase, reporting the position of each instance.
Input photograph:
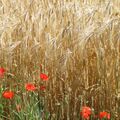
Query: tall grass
(77, 42)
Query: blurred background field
(75, 42)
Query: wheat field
(75, 42)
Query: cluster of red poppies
(86, 112)
(29, 86)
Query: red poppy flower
(30, 87)
(2, 71)
(104, 115)
(8, 94)
(86, 112)
(43, 76)
(42, 88)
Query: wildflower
(30, 87)
(8, 94)
(43, 76)
(2, 71)
(86, 112)
(42, 88)
(104, 115)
